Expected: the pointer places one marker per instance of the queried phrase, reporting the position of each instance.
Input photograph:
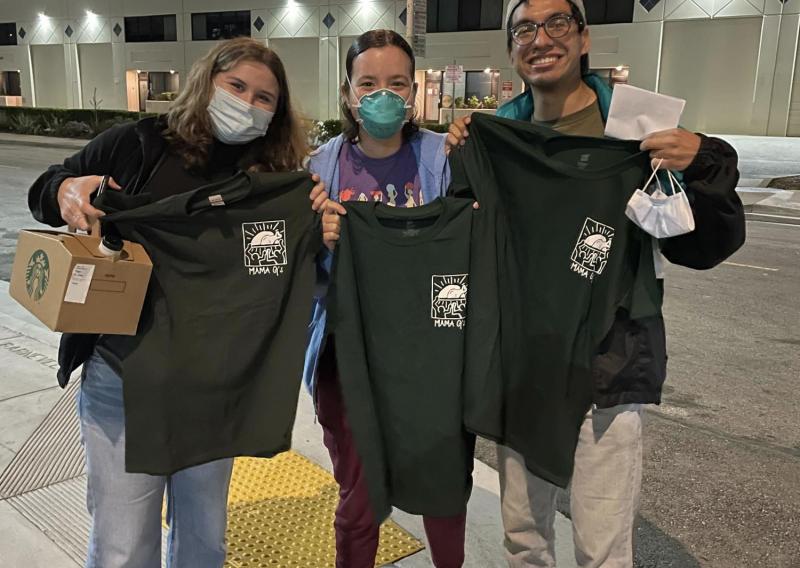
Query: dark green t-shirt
(214, 370)
(566, 258)
(398, 312)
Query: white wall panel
(301, 60)
(687, 9)
(49, 75)
(97, 64)
(785, 65)
(634, 45)
(293, 21)
(717, 100)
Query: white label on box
(78, 287)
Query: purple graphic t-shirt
(393, 180)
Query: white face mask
(234, 121)
(659, 214)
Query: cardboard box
(65, 281)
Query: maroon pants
(355, 526)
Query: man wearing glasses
(548, 43)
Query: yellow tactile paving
(280, 515)
(286, 475)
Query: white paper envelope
(635, 113)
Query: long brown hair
(367, 40)
(189, 130)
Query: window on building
(609, 11)
(614, 76)
(8, 33)
(220, 25)
(151, 28)
(482, 84)
(464, 15)
(10, 85)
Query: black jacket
(129, 153)
(631, 366)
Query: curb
(771, 215)
(65, 145)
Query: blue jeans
(126, 507)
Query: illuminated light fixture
(430, 70)
(42, 16)
(90, 14)
(487, 70)
(620, 67)
(172, 71)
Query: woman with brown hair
(233, 114)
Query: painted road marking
(795, 225)
(751, 266)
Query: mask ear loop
(676, 185)
(352, 93)
(653, 175)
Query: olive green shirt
(585, 122)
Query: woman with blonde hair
(234, 113)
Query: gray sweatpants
(604, 500)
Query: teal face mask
(382, 113)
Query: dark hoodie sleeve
(98, 157)
(718, 211)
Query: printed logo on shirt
(411, 196)
(590, 255)
(264, 247)
(449, 300)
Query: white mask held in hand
(659, 214)
(234, 121)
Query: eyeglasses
(555, 26)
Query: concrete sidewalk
(771, 205)
(762, 157)
(46, 525)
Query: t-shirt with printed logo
(566, 260)
(398, 305)
(214, 370)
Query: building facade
(735, 61)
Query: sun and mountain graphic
(593, 246)
(264, 243)
(449, 297)
(37, 275)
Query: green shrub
(320, 131)
(56, 121)
(330, 128)
(489, 102)
(26, 124)
(52, 125)
(166, 96)
(76, 129)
